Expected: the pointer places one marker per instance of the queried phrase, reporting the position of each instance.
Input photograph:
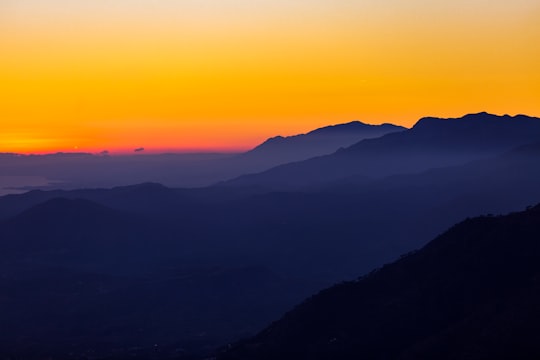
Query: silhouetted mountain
(497, 184)
(472, 293)
(154, 251)
(430, 143)
(80, 170)
(281, 150)
(322, 141)
(368, 223)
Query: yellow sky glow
(224, 75)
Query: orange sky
(226, 74)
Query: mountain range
(129, 267)
(83, 170)
(326, 140)
(431, 143)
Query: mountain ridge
(317, 142)
(155, 232)
(434, 142)
(84, 170)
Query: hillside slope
(473, 292)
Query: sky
(223, 75)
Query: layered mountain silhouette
(81, 170)
(368, 222)
(128, 267)
(431, 143)
(322, 141)
(473, 293)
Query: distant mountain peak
(477, 117)
(324, 140)
(351, 127)
(273, 139)
(484, 115)
(431, 143)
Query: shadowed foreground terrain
(472, 293)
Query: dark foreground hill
(79, 280)
(472, 293)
